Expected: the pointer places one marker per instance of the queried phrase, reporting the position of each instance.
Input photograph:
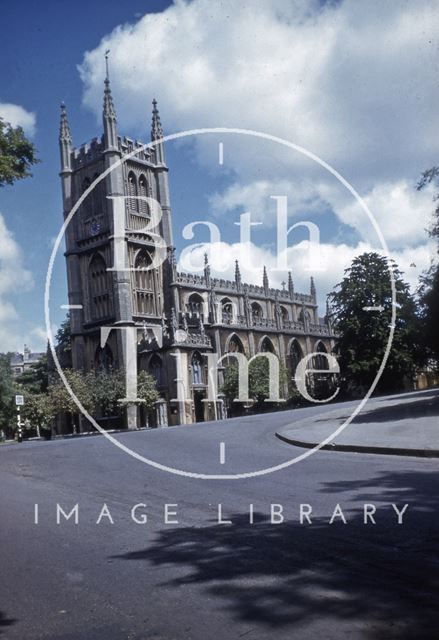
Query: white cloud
(15, 279)
(258, 198)
(334, 259)
(353, 82)
(18, 116)
(402, 213)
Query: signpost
(19, 402)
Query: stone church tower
(193, 314)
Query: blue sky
(355, 84)
(40, 49)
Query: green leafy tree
(100, 393)
(147, 389)
(7, 391)
(108, 389)
(364, 334)
(39, 410)
(17, 154)
(429, 286)
(429, 306)
(82, 386)
(258, 384)
(34, 379)
(64, 343)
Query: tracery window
(144, 284)
(100, 288)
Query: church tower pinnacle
(65, 140)
(109, 113)
(237, 276)
(157, 133)
(290, 285)
(265, 282)
(313, 289)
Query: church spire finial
(265, 280)
(157, 133)
(65, 140)
(290, 284)
(107, 75)
(206, 269)
(237, 275)
(109, 112)
(64, 129)
(313, 288)
(156, 125)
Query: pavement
(192, 576)
(403, 425)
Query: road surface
(197, 579)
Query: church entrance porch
(199, 406)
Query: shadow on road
(380, 580)
(423, 407)
(5, 622)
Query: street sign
(19, 401)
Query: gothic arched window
(132, 192)
(156, 369)
(235, 345)
(143, 192)
(320, 362)
(296, 355)
(284, 316)
(226, 311)
(257, 314)
(144, 284)
(100, 288)
(103, 359)
(195, 304)
(197, 369)
(302, 316)
(267, 346)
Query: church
(194, 315)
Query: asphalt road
(199, 579)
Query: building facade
(180, 317)
(21, 362)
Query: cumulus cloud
(259, 198)
(15, 279)
(401, 213)
(353, 82)
(18, 116)
(333, 260)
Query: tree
(363, 334)
(258, 381)
(34, 379)
(82, 386)
(429, 287)
(64, 343)
(39, 410)
(147, 389)
(108, 389)
(429, 308)
(428, 177)
(17, 154)
(100, 393)
(7, 408)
